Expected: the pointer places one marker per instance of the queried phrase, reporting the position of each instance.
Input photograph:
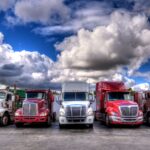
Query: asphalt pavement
(74, 138)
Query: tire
(48, 123)
(19, 125)
(54, 116)
(61, 126)
(5, 120)
(148, 120)
(90, 126)
(107, 121)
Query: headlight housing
(62, 112)
(114, 114)
(90, 112)
(17, 114)
(43, 114)
(140, 113)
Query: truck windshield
(112, 96)
(37, 95)
(2, 95)
(75, 96)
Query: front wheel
(148, 120)
(5, 120)
(107, 120)
(61, 126)
(90, 125)
(54, 116)
(48, 123)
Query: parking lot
(74, 138)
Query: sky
(46, 42)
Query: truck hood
(39, 102)
(33, 100)
(121, 103)
(71, 103)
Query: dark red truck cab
(37, 108)
(116, 105)
(143, 100)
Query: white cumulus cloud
(6, 4)
(40, 11)
(122, 43)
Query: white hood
(69, 103)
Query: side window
(9, 97)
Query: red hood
(40, 102)
(122, 102)
(115, 104)
(34, 100)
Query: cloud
(141, 87)
(122, 43)
(27, 69)
(92, 14)
(9, 70)
(141, 6)
(6, 4)
(1, 38)
(34, 70)
(41, 11)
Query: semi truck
(36, 108)
(116, 105)
(75, 101)
(7, 107)
(143, 99)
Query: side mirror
(91, 98)
(58, 100)
(13, 98)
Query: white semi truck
(7, 101)
(75, 101)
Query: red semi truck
(37, 108)
(115, 105)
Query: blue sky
(89, 40)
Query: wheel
(54, 116)
(19, 125)
(61, 126)
(48, 123)
(5, 120)
(107, 121)
(148, 120)
(90, 125)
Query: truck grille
(30, 109)
(129, 111)
(76, 111)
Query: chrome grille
(129, 111)
(30, 109)
(76, 111)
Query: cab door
(9, 102)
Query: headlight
(43, 114)
(114, 114)
(62, 112)
(17, 114)
(140, 113)
(90, 112)
(1, 113)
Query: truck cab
(36, 108)
(116, 105)
(7, 102)
(143, 99)
(75, 103)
